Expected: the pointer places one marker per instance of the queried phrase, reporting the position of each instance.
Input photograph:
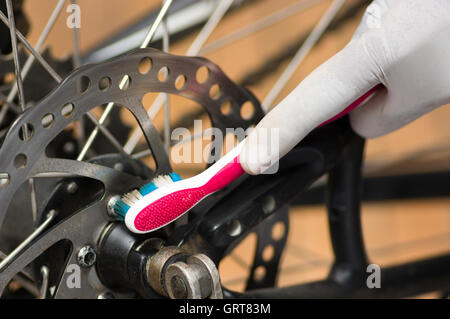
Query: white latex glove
(403, 44)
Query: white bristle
(131, 197)
(162, 180)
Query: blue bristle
(175, 177)
(147, 188)
(121, 208)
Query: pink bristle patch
(172, 206)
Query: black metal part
(275, 246)
(122, 258)
(73, 195)
(390, 187)
(22, 25)
(343, 205)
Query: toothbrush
(168, 197)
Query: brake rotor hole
(163, 74)
(104, 84)
(67, 110)
(247, 110)
(125, 83)
(225, 108)
(84, 83)
(180, 82)
(215, 91)
(26, 132)
(145, 65)
(20, 161)
(48, 120)
(4, 180)
(202, 74)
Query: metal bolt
(269, 204)
(86, 256)
(178, 287)
(110, 207)
(72, 188)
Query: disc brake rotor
(23, 153)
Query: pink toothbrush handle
(354, 105)
(174, 205)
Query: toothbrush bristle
(162, 180)
(123, 205)
(132, 197)
(121, 208)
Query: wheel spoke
(76, 44)
(77, 64)
(36, 54)
(107, 133)
(306, 47)
(45, 272)
(166, 44)
(259, 25)
(18, 74)
(125, 79)
(193, 50)
(40, 42)
(19, 249)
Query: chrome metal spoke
(45, 272)
(259, 25)
(19, 86)
(77, 63)
(40, 42)
(76, 44)
(19, 249)
(33, 199)
(303, 51)
(30, 48)
(193, 50)
(106, 132)
(166, 44)
(23, 272)
(34, 55)
(125, 79)
(38, 56)
(15, 49)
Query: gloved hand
(402, 44)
